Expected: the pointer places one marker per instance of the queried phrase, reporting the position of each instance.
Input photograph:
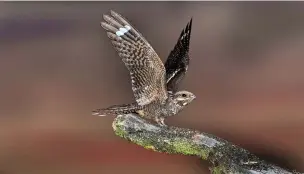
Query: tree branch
(223, 156)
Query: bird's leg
(160, 121)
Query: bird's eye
(184, 95)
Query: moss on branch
(223, 156)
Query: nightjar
(154, 84)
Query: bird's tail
(117, 110)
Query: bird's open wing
(178, 59)
(146, 68)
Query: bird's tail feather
(116, 110)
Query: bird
(154, 84)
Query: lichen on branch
(223, 156)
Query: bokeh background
(57, 65)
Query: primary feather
(178, 60)
(146, 69)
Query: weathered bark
(223, 156)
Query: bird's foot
(161, 121)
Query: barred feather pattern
(146, 68)
(118, 109)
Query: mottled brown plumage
(146, 69)
(148, 74)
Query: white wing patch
(123, 30)
(172, 75)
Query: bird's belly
(152, 111)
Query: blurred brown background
(57, 65)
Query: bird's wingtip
(113, 13)
(97, 113)
(190, 23)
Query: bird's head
(183, 98)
